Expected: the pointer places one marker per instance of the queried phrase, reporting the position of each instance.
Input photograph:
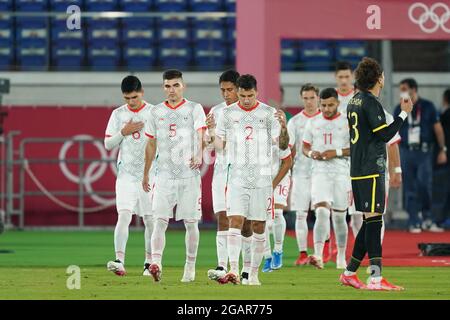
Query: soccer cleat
(155, 272)
(326, 252)
(216, 274)
(277, 260)
(351, 281)
(189, 273)
(146, 270)
(302, 259)
(315, 262)
(253, 280)
(382, 285)
(117, 267)
(267, 265)
(244, 278)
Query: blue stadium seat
(101, 5)
(212, 56)
(136, 5)
(103, 57)
(231, 53)
(6, 42)
(171, 5)
(230, 5)
(139, 56)
(31, 57)
(62, 5)
(289, 55)
(32, 31)
(103, 31)
(138, 30)
(6, 5)
(31, 5)
(206, 30)
(6, 58)
(206, 5)
(172, 29)
(230, 29)
(316, 55)
(351, 51)
(174, 55)
(66, 57)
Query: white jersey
(344, 100)
(132, 148)
(328, 134)
(278, 156)
(220, 154)
(175, 130)
(296, 128)
(249, 135)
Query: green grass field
(37, 270)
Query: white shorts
(352, 209)
(131, 196)
(219, 184)
(281, 192)
(254, 204)
(334, 189)
(301, 193)
(186, 194)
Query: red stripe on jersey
(396, 142)
(136, 110)
(308, 116)
(333, 117)
(306, 143)
(286, 157)
(250, 109)
(202, 128)
(345, 94)
(108, 136)
(149, 135)
(174, 107)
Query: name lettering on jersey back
(356, 102)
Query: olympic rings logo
(430, 14)
(94, 171)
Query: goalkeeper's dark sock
(373, 244)
(359, 249)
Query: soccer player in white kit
(175, 130)
(248, 129)
(326, 140)
(301, 170)
(126, 130)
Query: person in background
(445, 121)
(419, 134)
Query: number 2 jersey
(176, 131)
(249, 135)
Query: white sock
(349, 273)
(301, 230)
(341, 232)
(191, 239)
(279, 230)
(383, 229)
(234, 245)
(246, 253)
(356, 222)
(121, 234)
(267, 246)
(148, 223)
(257, 252)
(222, 252)
(159, 239)
(321, 230)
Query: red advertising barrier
(69, 123)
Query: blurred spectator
(445, 120)
(419, 134)
(282, 106)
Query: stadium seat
(172, 29)
(101, 5)
(6, 5)
(230, 29)
(32, 43)
(139, 57)
(138, 31)
(6, 42)
(289, 55)
(207, 30)
(316, 55)
(68, 46)
(231, 53)
(171, 5)
(136, 5)
(230, 5)
(62, 5)
(206, 5)
(210, 56)
(174, 55)
(103, 57)
(31, 5)
(351, 51)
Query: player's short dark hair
(447, 96)
(229, 76)
(309, 87)
(172, 74)
(342, 65)
(130, 84)
(367, 73)
(411, 83)
(247, 82)
(329, 93)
